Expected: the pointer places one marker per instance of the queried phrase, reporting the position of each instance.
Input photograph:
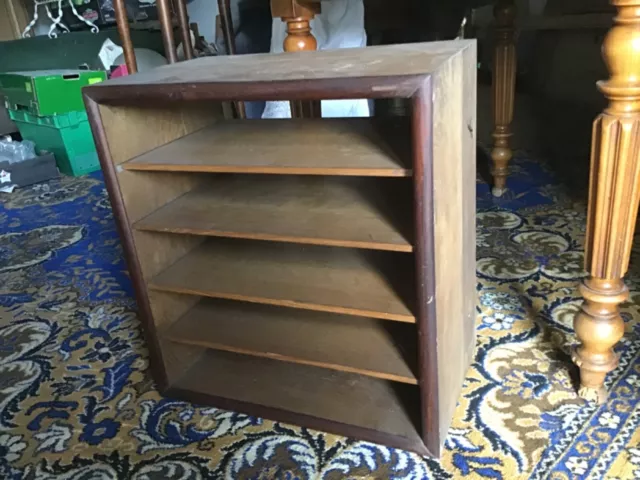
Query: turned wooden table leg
(614, 193)
(297, 15)
(299, 38)
(503, 89)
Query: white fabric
(340, 25)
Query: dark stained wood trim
(422, 138)
(308, 421)
(126, 236)
(327, 89)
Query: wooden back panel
(132, 131)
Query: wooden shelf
(371, 409)
(367, 346)
(345, 212)
(355, 146)
(339, 280)
(278, 268)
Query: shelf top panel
(354, 146)
(384, 71)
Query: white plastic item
(14, 152)
(108, 54)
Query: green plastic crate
(47, 92)
(67, 136)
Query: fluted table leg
(614, 193)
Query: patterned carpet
(76, 401)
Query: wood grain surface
(340, 280)
(136, 130)
(362, 345)
(388, 60)
(454, 222)
(335, 397)
(355, 146)
(338, 211)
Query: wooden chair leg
(224, 7)
(185, 32)
(166, 26)
(614, 193)
(125, 36)
(226, 21)
(503, 88)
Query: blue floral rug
(77, 402)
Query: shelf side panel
(454, 173)
(119, 134)
(133, 131)
(167, 309)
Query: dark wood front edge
(124, 229)
(308, 421)
(422, 139)
(330, 88)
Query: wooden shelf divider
(338, 146)
(344, 212)
(367, 346)
(347, 281)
